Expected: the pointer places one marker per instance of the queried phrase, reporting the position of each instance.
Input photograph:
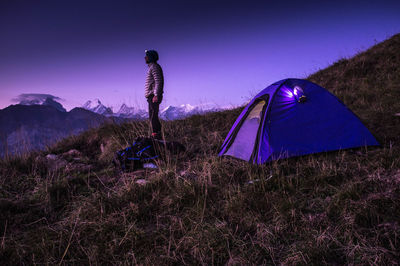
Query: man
(154, 91)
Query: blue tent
(293, 117)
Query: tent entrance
(242, 145)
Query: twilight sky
(221, 52)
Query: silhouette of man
(154, 89)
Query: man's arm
(158, 81)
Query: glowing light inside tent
(288, 93)
(298, 91)
(299, 94)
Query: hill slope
(369, 84)
(332, 208)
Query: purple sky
(222, 52)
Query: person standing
(154, 89)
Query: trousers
(153, 115)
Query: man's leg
(151, 112)
(153, 117)
(155, 121)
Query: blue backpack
(144, 150)
(133, 157)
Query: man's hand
(155, 99)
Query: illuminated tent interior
(293, 117)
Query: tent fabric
(288, 127)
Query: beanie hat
(152, 55)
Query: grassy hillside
(331, 208)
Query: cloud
(40, 99)
(34, 98)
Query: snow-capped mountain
(97, 107)
(176, 112)
(131, 112)
(168, 113)
(185, 110)
(124, 110)
(44, 101)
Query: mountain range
(168, 113)
(25, 127)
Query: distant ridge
(32, 127)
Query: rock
(53, 162)
(150, 165)
(188, 175)
(73, 155)
(73, 152)
(141, 182)
(51, 157)
(182, 173)
(253, 181)
(77, 167)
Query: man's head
(151, 56)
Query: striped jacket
(154, 81)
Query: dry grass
(333, 208)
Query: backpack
(141, 151)
(144, 150)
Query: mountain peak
(49, 101)
(90, 104)
(97, 107)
